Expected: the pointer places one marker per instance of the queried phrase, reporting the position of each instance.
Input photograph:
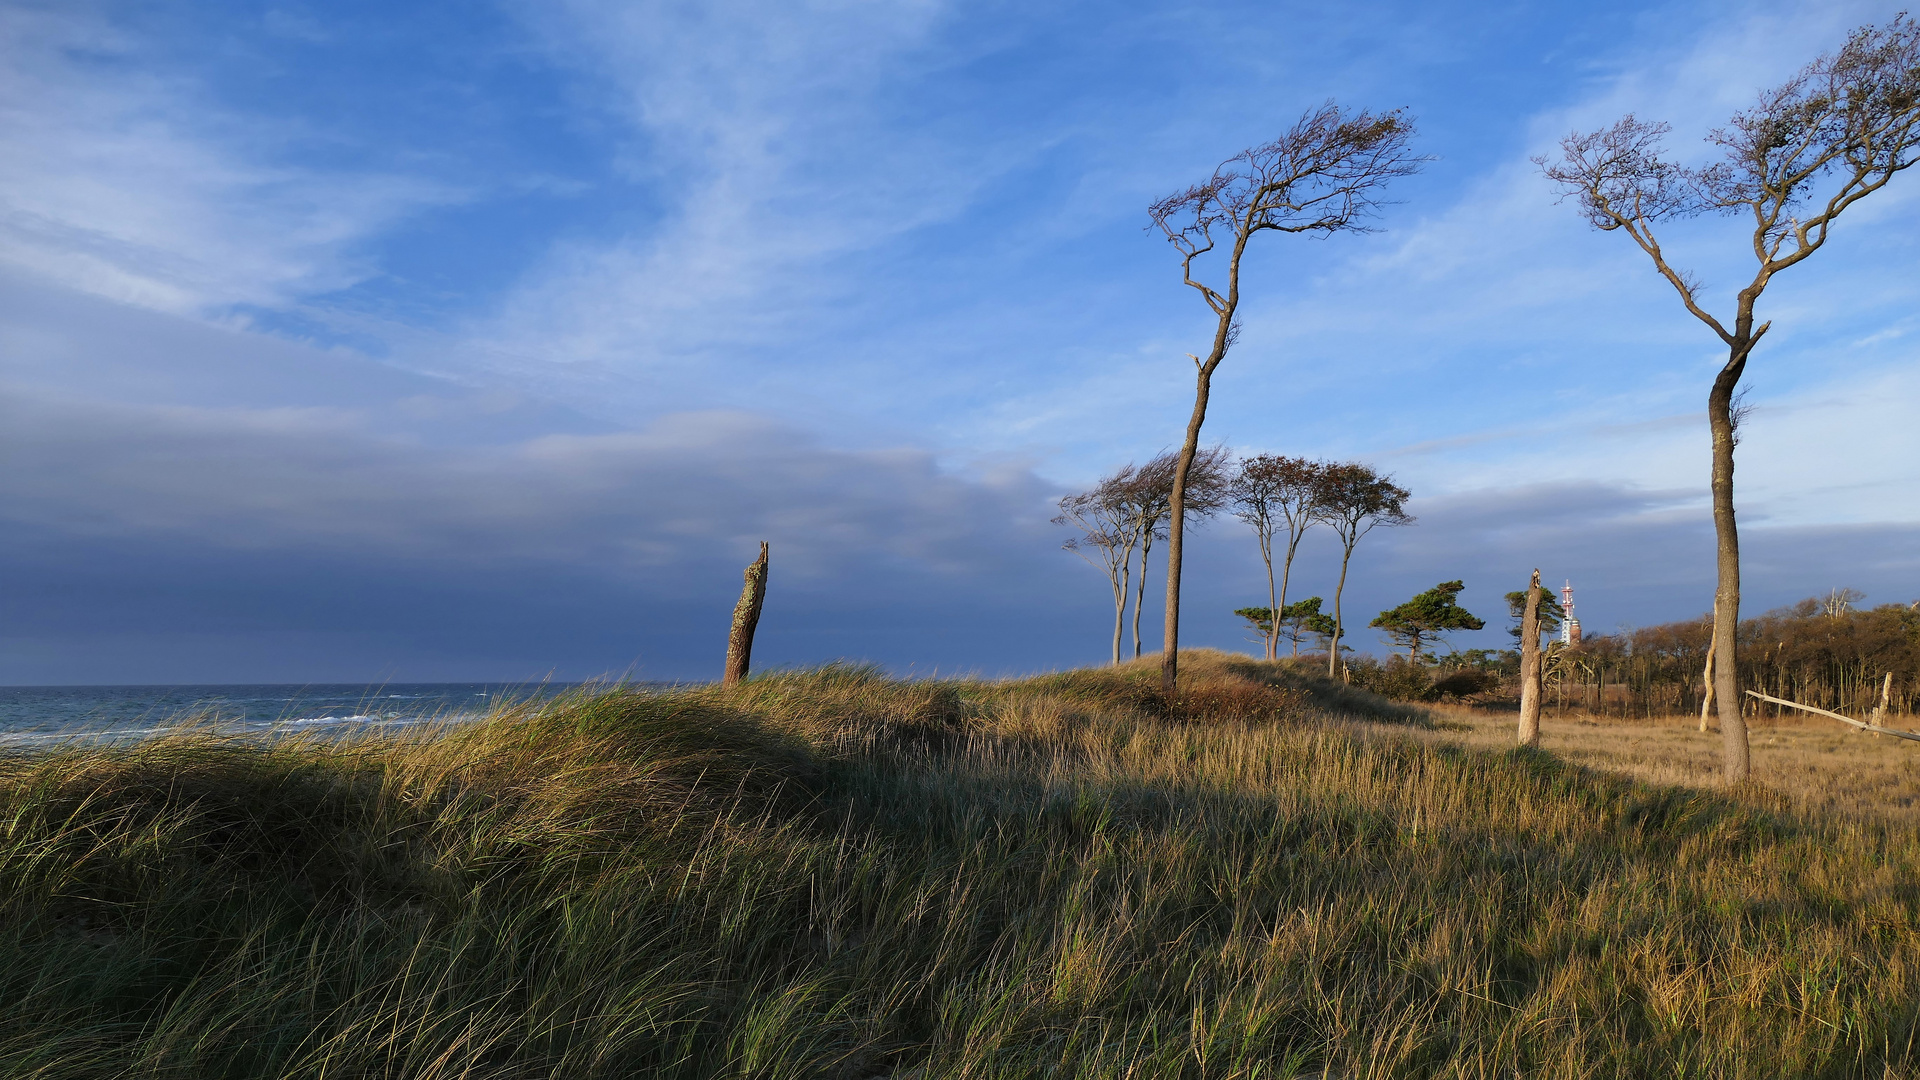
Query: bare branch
(1855, 113)
(1325, 174)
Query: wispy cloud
(768, 129)
(125, 179)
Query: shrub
(1396, 679)
(1464, 682)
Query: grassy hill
(832, 874)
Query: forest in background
(1824, 652)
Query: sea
(39, 715)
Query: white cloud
(127, 181)
(767, 127)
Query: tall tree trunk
(1726, 597)
(1140, 590)
(1120, 609)
(1286, 571)
(746, 618)
(1170, 660)
(1177, 505)
(1333, 650)
(1530, 666)
(1177, 515)
(1273, 607)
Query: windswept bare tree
(1207, 492)
(1324, 175)
(1355, 500)
(1270, 492)
(1830, 136)
(1106, 516)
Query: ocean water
(32, 715)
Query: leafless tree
(1324, 175)
(1838, 602)
(1810, 148)
(1208, 478)
(1106, 516)
(1270, 492)
(1127, 511)
(1353, 501)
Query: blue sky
(446, 341)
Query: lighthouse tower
(1570, 626)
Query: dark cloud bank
(184, 504)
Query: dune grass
(833, 874)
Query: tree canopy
(1550, 614)
(1426, 617)
(1296, 619)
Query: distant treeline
(1820, 652)
(1824, 653)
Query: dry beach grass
(834, 874)
(1817, 765)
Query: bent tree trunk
(1177, 514)
(1339, 629)
(1286, 576)
(1140, 591)
(1286, 571)
(746, 617)
(1530, 666)
(1726, 596)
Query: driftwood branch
(1862, 725)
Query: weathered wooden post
(746, 616)
(1530, 666)
(1706, 701)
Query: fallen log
(1861, 724)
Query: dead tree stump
(1530, 666)
(746, 616)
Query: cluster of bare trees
(1811, 148)
(1272, 493)
(1120, 517)
(1281, 498)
